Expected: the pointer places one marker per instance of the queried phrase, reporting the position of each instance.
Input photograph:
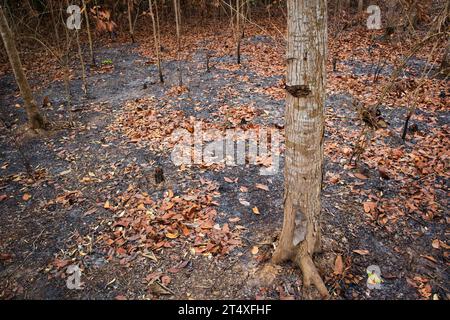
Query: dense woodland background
(92, 183)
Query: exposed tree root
(308, 268)
(311, 275)
(36, 121)
(280, 256)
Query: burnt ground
(77, 169)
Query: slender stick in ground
(66, 56)
(88, 30)
(83, 71)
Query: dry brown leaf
(334, 179)
(244, 202)
(338, 265)
(89, 212)
(228, 180)
(430, 258)
(362, 252)
(360, 176)
(262, 186)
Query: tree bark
(306, 77)
(35, 119)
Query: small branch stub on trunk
(298, 91)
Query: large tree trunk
(445, 63)
(306, 76)
(35, 119)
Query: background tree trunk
(445, 63)
(130, 19)
(360, 5)
(306, 58)
(156, 38)
(35, 119)
(177, 9)
(238, 31)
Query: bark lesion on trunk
(300, 239)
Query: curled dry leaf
(172, 235)
(165, 280)
(26, 197)
(436, 244)
(243, 189)
(369, 206)
(334, 179)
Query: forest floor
(208, 231)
